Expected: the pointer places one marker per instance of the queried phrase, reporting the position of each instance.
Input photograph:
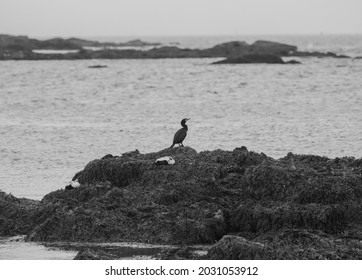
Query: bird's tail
(172, 146)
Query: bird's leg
(182, 145)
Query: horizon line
(185, 35)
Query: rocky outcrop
(20, 47)
(240, 48)
(16, 214)
(97, 66)
(89, 43)
(268, 47)
(228, 49)
(26, 43)
(286, 244)
(256, 58)
(88, 254)
(232, 247)
(318, 54)
(255, 207)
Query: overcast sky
(182, 17)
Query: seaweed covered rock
(255, 216)
(88, 254)
(181, 253)
(305, 244)
(287, 244)
(16, 214)
(307, 204)
(130, 198)
(252, 58)
(237, 248)
(262, 46)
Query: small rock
(97, 66)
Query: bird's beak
(188, 119)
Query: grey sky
(182, 17)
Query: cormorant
(180, 135)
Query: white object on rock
(72, 185)
(165, 161)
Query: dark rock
(91, 43)
(107, 156)
(267, 47)
(232, 247)
(293, 62)
(229, 49)
(288, 244)
(20, 47)
(138, 43)
(23, 42)
(131, 154)
(275, 208)
(317, 54)
(17, 42)
(88, 254)
(252, 58)
(16, 214)
(97, 66)
(182, 253)
(255, 216)
(240, 48)
(171, 52)
(56, 44)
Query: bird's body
(180, 135)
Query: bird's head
(183, 122)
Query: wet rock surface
(247, 205)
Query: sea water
(56, 116)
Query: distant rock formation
(21, 48)
(240, 48)
(256, 58)
(273, 48)
(26, 43)
(97, 66)
(318, 54)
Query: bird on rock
(180, 135)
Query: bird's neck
(185, 126)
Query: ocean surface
(56, 116)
